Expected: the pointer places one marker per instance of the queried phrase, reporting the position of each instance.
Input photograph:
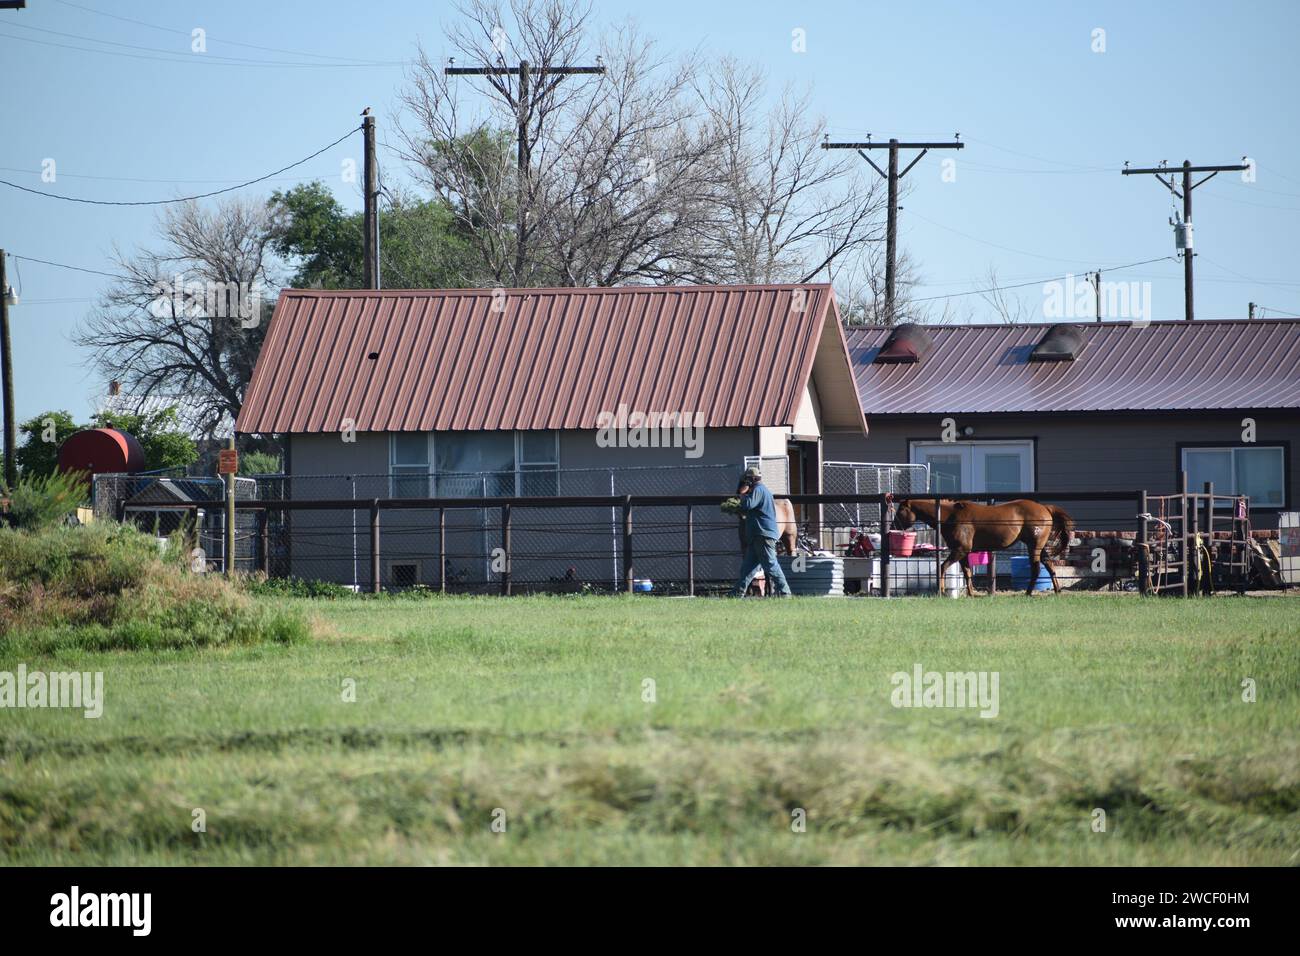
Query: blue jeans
(761, 553)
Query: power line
(1184, 228)
(987, 168)
(251, 46)
(171, 56)
(891, 178)
(1024, 285)
(165, 202)
(133, 179)
(1269, 308)
(64, 265)
(985, 242)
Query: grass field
(533, 711)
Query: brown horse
(969, 526)
(786, 526)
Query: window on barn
(475, 464)
(1255, 470)
(539, 463)
(408, 463)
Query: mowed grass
(536, 713)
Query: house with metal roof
(1113, 406)
(486, 393)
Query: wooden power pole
(892, 177)
(7, 381)
(522, 102)
(1185, 230)
(371, 205)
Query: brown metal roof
(1162, 366)
(554, 358)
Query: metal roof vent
(908, 342)
(1062, 343)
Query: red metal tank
(100, 450)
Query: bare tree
(609, 164)
(627, 189)
(186, 320)
(656, 171)
(860, 289)
(783, 210)
(1007, 307)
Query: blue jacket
(760, 512)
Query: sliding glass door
(973, 467)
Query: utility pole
(7, 383)
(522, 102)
(892, 177)
(1250, 310)
(1096, 292)
(231, 468)
(371, 215)
(1184, 230)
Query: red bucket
(901, 543)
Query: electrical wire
(165, 202)
(172, 56)
(985, 242)
(251, 46)
(64, 265)
(1024, 285)
(1269, 308)
(140, 179)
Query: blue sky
(1047, 122)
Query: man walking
(759, 514)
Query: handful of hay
(731, 506)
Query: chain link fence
(526, 543)
(557, 545)
(867, 478)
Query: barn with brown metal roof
(757, 368)
(489, 393)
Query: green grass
(535, 706)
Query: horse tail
(1062, 529)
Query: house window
(408, 464)
(538, 454)
(475, 464)
(972, 467)
(1255, 470)
(488, 464)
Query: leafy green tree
(165, 443)
(320, 235)
(420, 244)
(40, 437)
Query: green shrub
(298, 587)
(108, 586)
(42, 501)
(259, 463)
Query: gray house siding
(1092, 452)
(335, 545)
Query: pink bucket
(901, 543)
(979, 557)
